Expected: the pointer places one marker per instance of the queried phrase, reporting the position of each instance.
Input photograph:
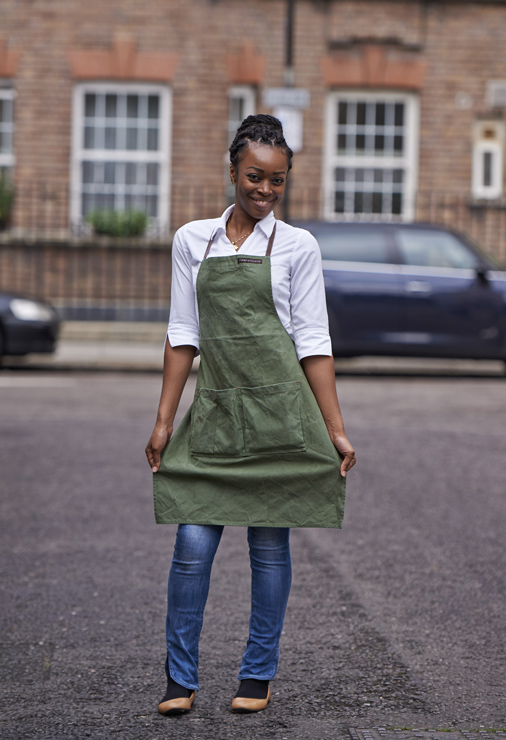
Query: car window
(353, 245)
(432, 248)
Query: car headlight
(27, 310)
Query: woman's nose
(264, 187)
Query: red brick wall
(462, 43)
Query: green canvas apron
(253, 449)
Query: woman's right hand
(156, 445)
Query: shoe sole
(175, 710)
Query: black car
(27, 325)
(410, 290)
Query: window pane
(110, 138)
(111, 105)
(398, 144)
(432, 248)
(152, 174)
(235, 109)
(89, 137)
(353, 245)
(399, 114)
(340, 174)
(396, 204)
(380, 114)
(132, 106)
(131, 138)
(379, 143)
(377, 202)
(487, 169)
(152, 140)
(339, 202)
(342, 113)
(153, 106)
(341, 143)
(89, 104)
(361, 114)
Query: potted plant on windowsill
(6, 200)
(118, 223)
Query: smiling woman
(263, 445)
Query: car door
(451, 308)
(363, 287)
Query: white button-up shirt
(296, 274)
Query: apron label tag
(250, 260)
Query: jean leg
(187, 593)
(271, 578)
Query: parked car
(27, 324)
(410, 290)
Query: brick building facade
(122, 104)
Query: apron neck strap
(271, 241)
(269, 244)
(211, 240)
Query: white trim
(479, 188)
(8, 159)
(248, 96)
(162, 156)
(408, 162)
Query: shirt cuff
(179, 336)
(312, 342)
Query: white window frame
(161, 156)
(408, 162)
(8, 159)
(479, 188)
(248, 96)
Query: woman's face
(260, 179)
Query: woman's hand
(176, 368)
(156, 445)
(346, 452)
(319, 370)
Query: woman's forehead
(265, 156)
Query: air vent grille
(497, 93)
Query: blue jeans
(190, 573)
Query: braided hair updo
(263, 129)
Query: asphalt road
(398, 620)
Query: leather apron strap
(269, 244)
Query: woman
(263, 444)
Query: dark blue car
(410, 290)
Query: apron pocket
(272, 421)
(216, 423)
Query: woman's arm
(177, 364)
(319, 371)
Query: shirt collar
(265, 224)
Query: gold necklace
(236, 244)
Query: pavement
(395, 624)
(138, 347)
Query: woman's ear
(232, 175)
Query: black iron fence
(92, 282)
(112, 279)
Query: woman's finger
(349, 461)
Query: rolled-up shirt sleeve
(183, 321)
(308, 305)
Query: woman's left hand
(346, 452)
